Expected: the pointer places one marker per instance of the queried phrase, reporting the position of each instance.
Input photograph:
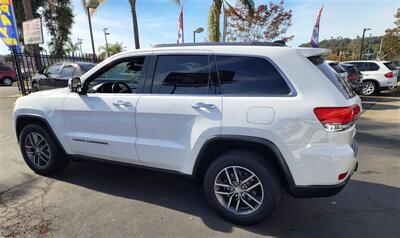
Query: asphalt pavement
(92, 199)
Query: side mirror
(75, 85)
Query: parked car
(245, 120)
(377, 76)
(354, 76)
(58, 74)
(339, 69)
(7, 75)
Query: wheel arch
(24, 120)
(372, 80)
(217, 145)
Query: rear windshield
(351, 69)
(86, 67)
(390, 65)
(337, 68)
(339, 82)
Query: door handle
(199, 105)
(122, 103)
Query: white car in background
(377, 75)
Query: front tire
(35, 87)
(242, 187)
(369, 88)
(40, 151)
(7, 81)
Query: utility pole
(380, 49)
(362, 42)
(34, 48)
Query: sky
(158, 20)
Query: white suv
(245, 120)
(377, 75)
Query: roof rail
(277, 43)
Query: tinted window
(128, 72)
(337, 68)
(249, 75)
(338, 81)
(390, 65)
(68, 71)
(54, 69)
(181, 74)
(373, 67)
(86, 66)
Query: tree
(114, 48)
(266, 23)
(391, 40)
(71, 47)
(214, 16)
(59, 25)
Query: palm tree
(214, 15)
(71, 47)
(113, 49)
(134, 19)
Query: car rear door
(180, 112)
(101, 123)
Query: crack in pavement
(23, 212)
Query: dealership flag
(8, 26)
(180, 24)
(315, 33)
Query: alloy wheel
(238, 190)
(368, 88)
(7, 82)
(37, 149)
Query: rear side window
(249, 75)
(339, 82)
(68, 71)
(390, 65)
(181, 74)
(373, 67)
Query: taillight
(337, 118)
(351, 77)
(389, 75)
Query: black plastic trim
(42, 119)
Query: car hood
(51, 92)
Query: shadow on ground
(363, 208)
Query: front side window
(68, 71)
(181, 74)
(249, 75)
(123, 77)
(54, 69)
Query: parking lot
(91, 199)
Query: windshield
(339, 82)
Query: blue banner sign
(8, 24)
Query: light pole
(80, 45)
(105, 37)
(362, 41)
(198, 30)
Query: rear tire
(35, 87)
(242, 202)
(369, 88)
(40, 150)
(7, 81)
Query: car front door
(52, 72)
(67, 72)
(100, 122)
(179, 113)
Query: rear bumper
(325, 190)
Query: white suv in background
(377, 75)
(245, 120)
